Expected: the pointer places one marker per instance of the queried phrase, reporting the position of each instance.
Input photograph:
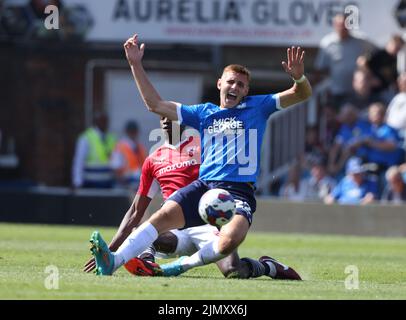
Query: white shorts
(191, 240)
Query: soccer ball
(217, 207)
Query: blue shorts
(188, 198)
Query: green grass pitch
(27, 250)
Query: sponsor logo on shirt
(226, 126)
(178, 165)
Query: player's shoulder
(207, 109)
(203, 109)
(156, 155)
(209, 106)
(149, 158)
(203, 105)
(255, 100)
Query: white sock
(135, 244)
(272, 269)
(208, 254)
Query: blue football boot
(102, 254)
(173, 269)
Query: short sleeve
(190, 115)
(148, 185)
(268, 104)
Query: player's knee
(167, 218)
(166, 243)
(160, 220)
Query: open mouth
(231, 96)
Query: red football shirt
(170, 168)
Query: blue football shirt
(348, 192)
(387, 158)
(231, 138)
(351, 134)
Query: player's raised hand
(295, 64)
(133, 52)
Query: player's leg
(231, 235)
(183, 245)
(144, 264)
(178, 210)
(230, 266)
(234, 267)
(168, 245)
(267, 266)
(170, 216)
(192, 239)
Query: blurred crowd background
(70, 115)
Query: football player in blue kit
(231, 136)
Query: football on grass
(217, 207)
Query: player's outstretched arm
(131, 219)
(152, 99)
(301, 89)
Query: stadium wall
(106, 208)
(371, 220)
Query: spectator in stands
(91, 163)
(363, 95)
(355, 187)
(319, 185)
(337, 57)
(293, 188)
(383, 145)
(382, 64)
(346, 142)
(396, 113)
(128, 157)
(395, 191)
